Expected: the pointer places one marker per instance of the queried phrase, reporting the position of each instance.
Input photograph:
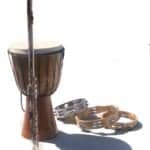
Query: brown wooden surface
(47, 124)
(48, 71)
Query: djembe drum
(48, 65)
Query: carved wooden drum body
(48, 66)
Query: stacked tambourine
(78, 112)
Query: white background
(107, 60)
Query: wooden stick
(32, 85)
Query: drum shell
(48, 71)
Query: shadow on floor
(65, 141)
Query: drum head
(39, 48)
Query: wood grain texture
(47, 124)
(48, 71)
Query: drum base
(47, 124)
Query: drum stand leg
(47, 124)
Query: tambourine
(123, 125)
(105, 116)
(67, 111)
(94, 118)
(87, 118)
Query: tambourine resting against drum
(48, 65)
(66, 112)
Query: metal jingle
(69, 109)
(124, 126)
(110, 118)
(90, 118)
